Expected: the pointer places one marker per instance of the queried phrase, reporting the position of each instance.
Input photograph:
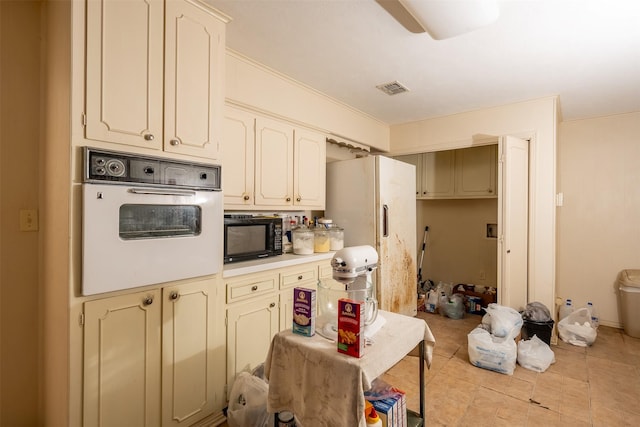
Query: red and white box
(351, 339)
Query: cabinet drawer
(247, 289)
(326, 271)
(293, 278)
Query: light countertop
(279, 261)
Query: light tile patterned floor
(594, 386)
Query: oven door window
(159, 221)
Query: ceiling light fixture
(442, 18)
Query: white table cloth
(322, 387)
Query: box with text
(304, 311)
(351, 327)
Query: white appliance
(148, 220)
(374, 199)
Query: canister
(303, 239)
(336, 237)
(322, 242)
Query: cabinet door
(274, 163)
(194, 66)
(415, 160)
(238, 140)
(476, 171)
(310, 169)
(124, 55)
(250, 328)
(438, 174)
(188, 372)
(122, 360)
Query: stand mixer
(352, 270)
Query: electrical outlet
(483, 276)
(28, 220)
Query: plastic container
(629, 294)
(373, 419)
(286, 419)
(595, 320)
(565, 310)
(540, 329)
(303, 240)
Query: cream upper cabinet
(141, 56)
(455, 174)
(238, 157)
(150, 358)
(437, 174)
(274, 163)
(271, 164)
(476, 171)
(122, 360)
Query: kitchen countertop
(280, 261)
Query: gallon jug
(595, 320)
(565, 310)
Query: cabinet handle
(174, 295)
(299, 198)
(300, 277)
(273, 304)
(246, 197)
(489, 191)
(174, 142)
(254, 288)
(148, 300)
(148, 137)
(288, 199)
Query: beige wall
(536, 119)
(20, 89)
(599, 223)
(457, 249)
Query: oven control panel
(114, 167)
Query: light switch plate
(28, 220)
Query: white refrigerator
(374, 199)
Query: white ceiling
(585, 51)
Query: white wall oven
(148, 220)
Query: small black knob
(203, 176)
(148, 170)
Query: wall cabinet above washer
(455, 174)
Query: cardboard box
(304, 311)
(351, 327)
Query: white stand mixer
(352, 268)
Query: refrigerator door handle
(385, 220)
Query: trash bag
(577, 329)
(453, 307)
(537, 312)
(535, 354)
(248, 402)
(505, 321)
(492, 353)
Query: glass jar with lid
(336, 237)
(303, 238)
(321, 238)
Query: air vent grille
(393, 88)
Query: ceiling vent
(392, 88)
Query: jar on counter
(303, 240)
(336, 237)
(321, 238)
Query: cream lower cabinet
(259, 305)
(149, 357)
(271, 164)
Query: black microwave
(249, 237)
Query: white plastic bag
(248, 402)
(505, 321)
(489, 352)
(535, 354)
(576, 328)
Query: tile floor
(594, 386)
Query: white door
(513, 230)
